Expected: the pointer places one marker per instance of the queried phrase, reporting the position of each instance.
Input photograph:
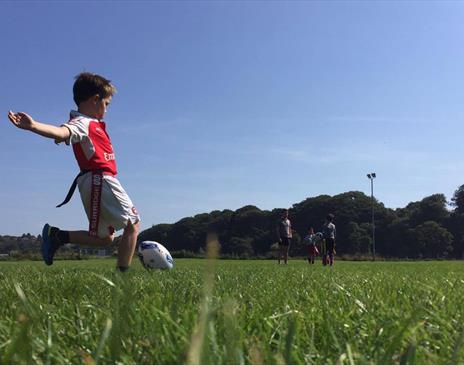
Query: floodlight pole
(371, 177)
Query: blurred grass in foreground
(247, 312)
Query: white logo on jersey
(109, 156)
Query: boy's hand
(25, 121)
(21, 120)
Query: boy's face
(95, 106)
(100, 106)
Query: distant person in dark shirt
(284, 231)
(329, 234)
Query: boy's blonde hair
(88, 84)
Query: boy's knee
(132, 227)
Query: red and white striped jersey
(91, 144)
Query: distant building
(95, 251)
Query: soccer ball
(154, 255)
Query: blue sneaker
(49, 243)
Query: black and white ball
(319, 236)
(154, 255)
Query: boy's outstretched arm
(25, 121)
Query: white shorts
(110, 209)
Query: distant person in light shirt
(329, 233)
(284, 231)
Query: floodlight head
(373, 174)
(368, 176)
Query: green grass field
(232, 312)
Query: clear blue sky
(224, 104)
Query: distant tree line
(430, 228)
(27, 247)
(24, 243)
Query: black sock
(122, 268)
(63, 237)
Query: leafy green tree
(158, 233)
(398, 239)
(431, 208)
(359, 239)
(457, 201)
(404, 232)
(433, 240)
(241, 247)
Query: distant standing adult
(329, 233)
(285, 236)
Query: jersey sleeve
(79, 130)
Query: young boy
(310, 240)
(329, 233)
(284, 231)
(107, 205)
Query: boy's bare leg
(84, 239)
(127, 245)
(53, 238)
